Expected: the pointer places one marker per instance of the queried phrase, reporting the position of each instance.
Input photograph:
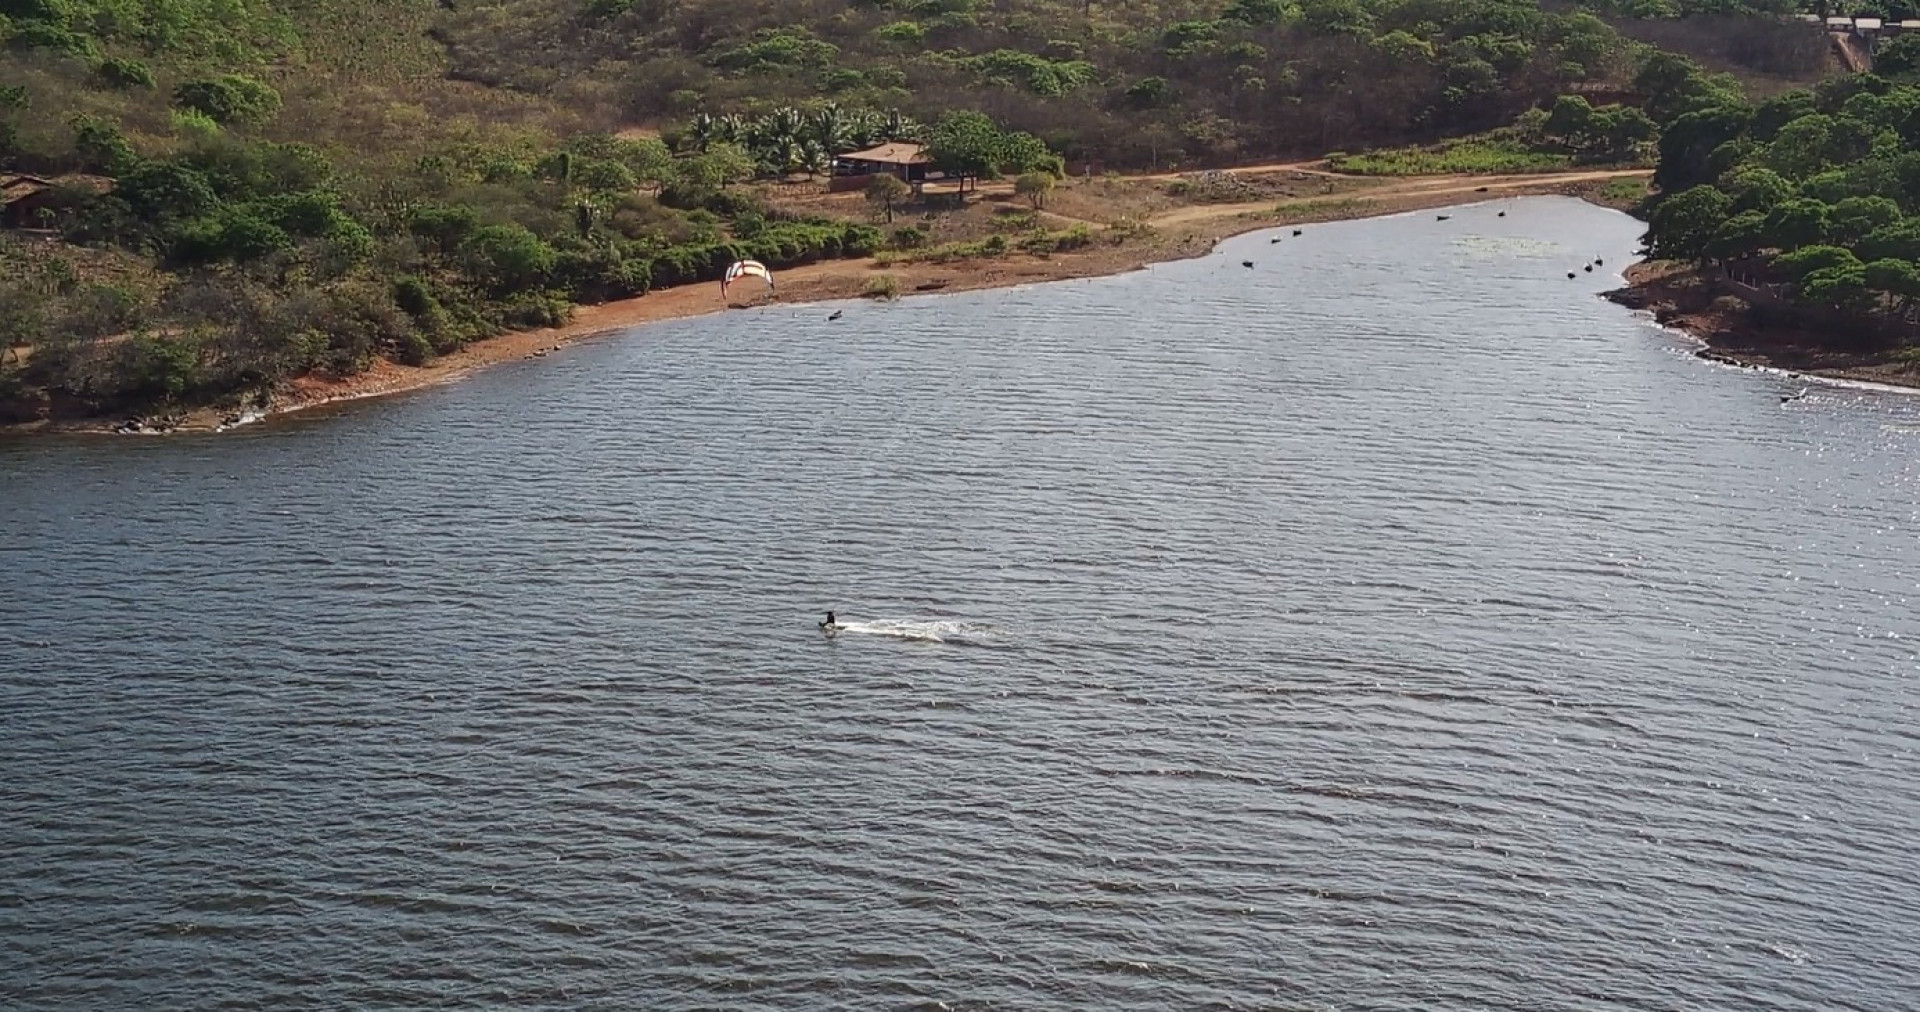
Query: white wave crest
(923, 630)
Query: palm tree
(864, 128)
(830, 128)
(787, 121)
(777, 137)
(899, 127)
(815, 159)
(702, 131)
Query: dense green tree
(1802, 147)
(1683, 225)
(1688, 143)
(1740, 235)
(442, 227)
(603, 176)
(160, 191)
(1756, 188)
(1616, 131)
(1778, 111)
(1021, 152)
(1800, 263)
(721, 163)
(1336, 17)
(1898, 241)
(1899, 279)
(1570, 116)
(234, 234)
(1899, 57)
(507, 257)
(101, 146)
(1854, 218)
(1842, 288)
(1833, 93)
(1796, 223)
(965, 144)
(1673, 85)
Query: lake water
(1392, 625)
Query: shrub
(101, 146)
(444, 227)
(1473, 156)
(1034, 186)
(507, 258)
(902, 33)
(531, 310)
(412, 348)
(234, 234)
(604, 176)
(774, 48)
(229, 98)
(596, 274)
(417, 300)
(157, 370)
(859, 240)
(157, 191)
(124, 73)
(1149, 93)
(53, 37)
(193, 125)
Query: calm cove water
(1393, 625)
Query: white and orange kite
(746, 269)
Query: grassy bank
(1137, 235)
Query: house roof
(14, 188)
(19, 186)
(893, 153)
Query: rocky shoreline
(1731, 332)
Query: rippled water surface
(1393, 625)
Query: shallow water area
(1391, 624)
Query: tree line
(1144, 84)
(302, 188)
(1814, 192)
(265, 261)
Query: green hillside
(1132, 84)
(309, 186)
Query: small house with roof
(894, 158)
(26, 199)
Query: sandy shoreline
(1180, 234)
(1695, 304)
